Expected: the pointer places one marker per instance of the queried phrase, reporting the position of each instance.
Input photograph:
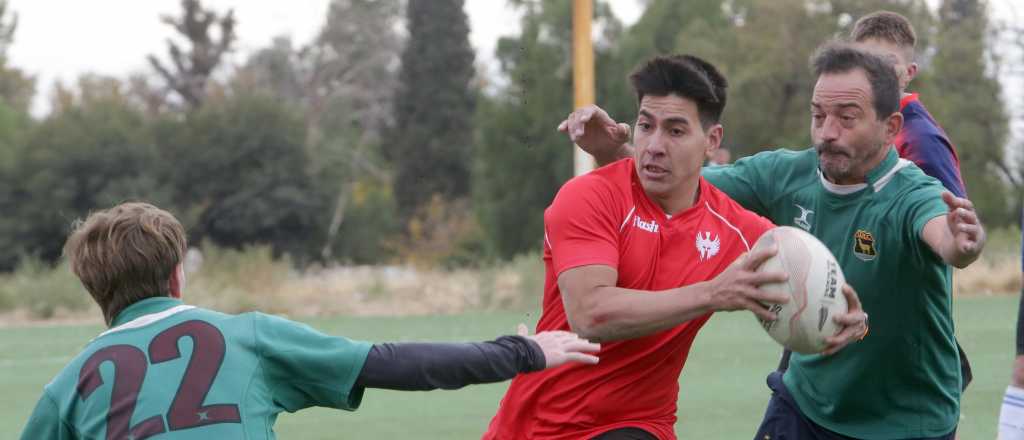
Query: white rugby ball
(814, 288)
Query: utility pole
(582, 72)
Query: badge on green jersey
(864, 245)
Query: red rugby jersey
(605, 218)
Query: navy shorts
(784, 421)
(626, 434)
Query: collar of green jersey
(145, 307)
(876, 178)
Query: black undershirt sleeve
(428, 366)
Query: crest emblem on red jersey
(706, 246)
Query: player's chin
(834, 165)
(657, 186)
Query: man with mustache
(637, 256)
(921, 140)
(894, 231)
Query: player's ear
(715, 133)
(177, 281)
(893, 125)
(911, 73)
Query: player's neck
(680, 200)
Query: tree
(966, 100)
(240, 174)
(13, 130)
(343, 83)
(1008, 59)
(520, 159)
(16, 88)
(191, 70)
(92, 152)
(430, 145)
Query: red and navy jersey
(923, 142)
(605, 218)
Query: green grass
(722, 387)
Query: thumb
(623, 130)
(521, 330)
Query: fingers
(759, 278)
(854, 327)
(841, 339)
(582, 358)
(850, 319)
(561, 347)
(954, 202)
(622, 134)
(831, 349)
(766, 297)
(757, 257)
(575, 124)
(582, 345)
(521, 330)
(852, 300)
(578, 121)
(573, 127)
(949, 199)
(965, 216)
(759, 309)
(853, 323)
(971, 230)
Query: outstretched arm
(429, 366)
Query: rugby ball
(814, 287)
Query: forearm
(428, 366)
(624, 151)
(617, 313)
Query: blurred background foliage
(380, 142)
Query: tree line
(381, 140)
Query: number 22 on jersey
(130, 365)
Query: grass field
(722, 387)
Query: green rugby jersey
(172, 371)
(903, 379)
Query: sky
(114, 37)
(62, 39)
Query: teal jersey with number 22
(173, 371)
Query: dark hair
(125, 254)
(687, 77)
(886, 26)
(835, 57)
